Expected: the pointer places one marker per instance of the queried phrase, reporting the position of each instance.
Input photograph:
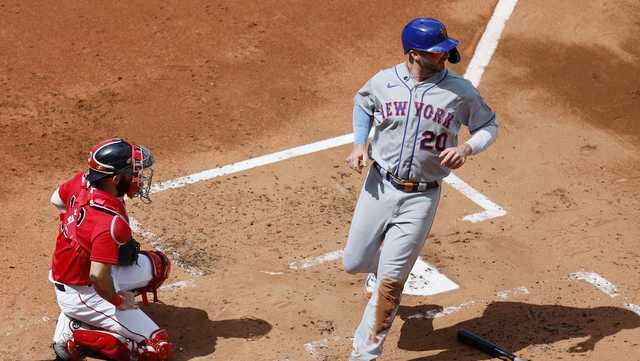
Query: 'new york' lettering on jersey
(415, 121)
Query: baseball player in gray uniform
(418, 108)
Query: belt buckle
(408, 186)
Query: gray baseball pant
(388, 231)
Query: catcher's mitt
(128, 253)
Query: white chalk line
(449, 310)
(314, 348)
(481, 58)
(597, 281)
(156, 242)
(503, 295)
(271, 273)
(253, 163)
(633, 308)
(178, 285)
(317, 260)
(489, 42)
(491, 210)
(437, 313)
(603, 285)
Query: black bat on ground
(484, 345)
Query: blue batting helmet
(430, 35)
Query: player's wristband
(116, 300)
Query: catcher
(98, 268)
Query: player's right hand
(357, 160)
(128, 301)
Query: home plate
(426, 280)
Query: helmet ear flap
(454, 56)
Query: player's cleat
(67, 351)
(370, 284)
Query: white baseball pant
(84, 304)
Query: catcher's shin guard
(161, 269)
(156, 348)
(109, 344)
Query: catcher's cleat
(67, 351)
(370, 284)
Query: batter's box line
(491, 209)
(156, 242)
(605, 286)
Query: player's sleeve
(57, 201)
(104, 249)
(475, 113)
(365, 97)
(66, 189)
(479, 118)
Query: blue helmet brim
(443, 47)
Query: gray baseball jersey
(415, 121)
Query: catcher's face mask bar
(142, 173)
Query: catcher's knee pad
(156, 348)
(161, 269)
(108, 344)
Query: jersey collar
(402, 72)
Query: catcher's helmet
(430, 35)
(117, 157)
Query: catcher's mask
(117, 157)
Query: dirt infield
(204, 84)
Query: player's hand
(454, 157)
(128, 301)
(357, 160)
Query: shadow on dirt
(514, 326)
(195, 335)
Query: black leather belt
(405, 185)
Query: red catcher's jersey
(91, 229)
